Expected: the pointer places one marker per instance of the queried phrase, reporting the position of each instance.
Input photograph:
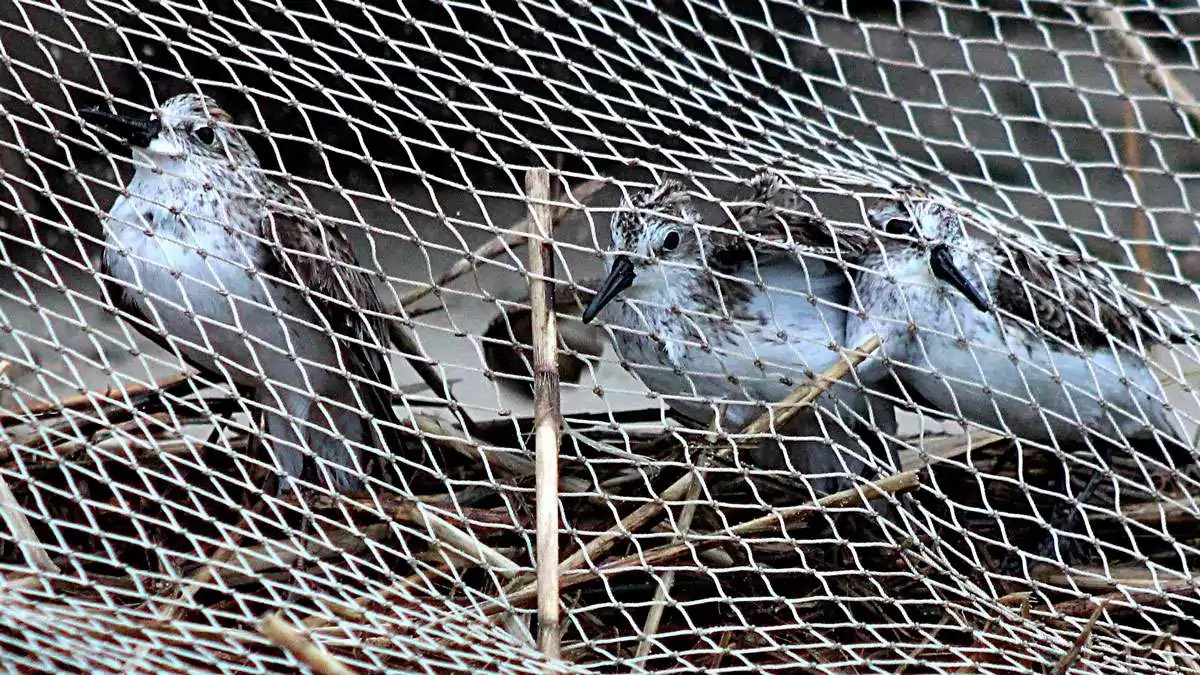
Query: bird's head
(918, 223)
(187, 128)
(651, 227)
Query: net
(170, 502)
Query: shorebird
(1008, 334)
(1020, 337)
(216, 261)
(738, 316)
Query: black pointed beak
(941, 260)
(136, 131)
(619, 278)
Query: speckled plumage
(214, 259)
(739, 314)
(1060, 356)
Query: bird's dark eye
(671, 241)
(205, 135)
(898, 226)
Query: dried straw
(547, 412)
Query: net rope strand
(1067, 127)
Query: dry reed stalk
(286, 637)
(801, 397)
(1100, 579)
(804, 396)
(1157, 513)
(23, 534)
(512, 464)
(208, 572)
(514, 236)
(547, 411)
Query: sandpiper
(740, 316)
(1015, 336)
(218, 262)
(1025, 339)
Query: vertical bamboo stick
(547, 414)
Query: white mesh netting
(149, 521)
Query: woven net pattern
(150, 524)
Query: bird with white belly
(215, 260)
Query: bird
(735, 317)
(214, 259)
(1015, 335)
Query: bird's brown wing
(314, 255)
(1076, 300)
(771, 222)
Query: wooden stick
(286, 637)
(23, 534)
(510, 463)
(515, 236)
(547, 411)
(1158, 75)
(208, 572)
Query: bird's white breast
(783, 336)
(185, 258)
(991, 370)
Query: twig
(782, 519)
(804, 396)
(722, 650)
(799, 398)
(1158, 75)
(659, 604)
(547, 412)
(1120, 600)
(463, 544)
(515, 236)
(1064, 664)
(90, 398)
(1099, 579)
(600, 545)
(23, 535)
(305, 650)
(794, 515)
(1154, 513)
